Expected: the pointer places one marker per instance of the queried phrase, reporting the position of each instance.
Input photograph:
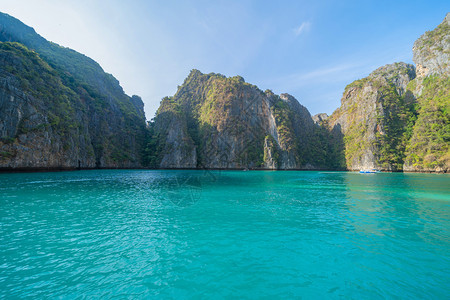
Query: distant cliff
(429, 146)
(218, 122)
(59, 109)
(374, 117)
(394, 120)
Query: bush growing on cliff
(40, 81)
(395, 124)
(152, 153)
(284, 119)
(429, 144)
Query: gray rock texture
(429, 149)
(432, 51)
(320, 118)
(216, 122)
(59, 109)
(28, 139)
(363, 108)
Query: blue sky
(310, 49)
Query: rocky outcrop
(60, 110)
(428, 148)
(29, 139)
(390, 120)
(320, 118)
(395, 121)
(226, 123)
(177, 149)
(372, 114)
(431, 52)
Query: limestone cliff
(431, 52)
(218, 122)
(389, 120)
(320, 118)
(38, 126)
(58, 109)
(393, 120)
(429, 147)
(373, 114)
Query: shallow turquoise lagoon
(224, 234)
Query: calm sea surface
(224, 234)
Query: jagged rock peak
(138, 104)
(295, 105)
(293, 102)
(194, 73)
(372, 108)
(67, 112)
(197, 74)
(391, 71)
(218, 122)
(319, 118)
(399, 74)
(288, 98)
(431, 52)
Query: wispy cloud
(325, 75)
(304, 27)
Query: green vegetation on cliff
(223, 123)
(395, 121)
(376, 117)
(386, 126)
(60, 104)
(433, 39)
(428, 148)
(40, 81)
(285, 125)
(207, 115)
(98, 123)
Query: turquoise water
(224, 234)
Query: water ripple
(194, 234)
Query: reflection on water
(413, 200)
(190, 234)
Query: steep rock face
(38, 127)
(177, 149)
(60, 110)
(227, 123)
(432, 51)
(393, 120)
(320, 118)
(303, 127)
(428, 149)
(372, 118)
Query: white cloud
(304, 27)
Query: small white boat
(371, 171)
